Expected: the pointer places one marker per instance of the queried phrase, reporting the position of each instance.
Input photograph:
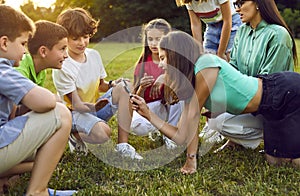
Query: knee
(101, 133)
(141, 128)
(64, 111)
(65, 115)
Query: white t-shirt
(209, 11)
(83, 77)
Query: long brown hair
(269, 12)
(182, 52)
(159, 24)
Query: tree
(292, 19)
(37, 13)
(117, 15)
(282, 4)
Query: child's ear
(3, 43)
(43, 51)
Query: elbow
(50, 105)
(181, 139)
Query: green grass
(243, 172)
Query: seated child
(82, 78)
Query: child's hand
(140, 106)
(146, 81)
(155, 91)
(89, 107)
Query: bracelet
(191, 156)
(110, 84)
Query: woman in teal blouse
(263, 45)
(207, 80)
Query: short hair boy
(81, 79)
(47, 48)
(40, 136)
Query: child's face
(16, 49)
(162, 59)
(77, 45)
(153, 38)
(58, 54)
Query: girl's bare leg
(121, 98)
(190, 165)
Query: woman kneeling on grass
(220, 87)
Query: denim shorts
(280, 107)
(84, 122)
(110, 109)
(213, 33)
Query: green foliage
(117, 15)
(243, 172)
(292, 18)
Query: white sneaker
(76, 145)
(209, 138)
(170, 145)
(126, 150)
(154, 135)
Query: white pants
(141, 126)
(244, 129)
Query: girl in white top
(221, 24)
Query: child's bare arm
(39, 99)
(77, 103)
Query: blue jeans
(213, 33)
(110, 109)
(280, 107)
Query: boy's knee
(101, 132)
(65, 114)
(63, 110)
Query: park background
(244, 172)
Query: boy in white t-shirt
(82, 78)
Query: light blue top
(13, 87)
(266, 49)
(232, 91)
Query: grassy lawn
(243, 172)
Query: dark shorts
(280, 107)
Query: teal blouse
(232, 91)
(266, 49)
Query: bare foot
(296, 162)
(6, 182)
(277, 161)
(190, 166)
(3, 182)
